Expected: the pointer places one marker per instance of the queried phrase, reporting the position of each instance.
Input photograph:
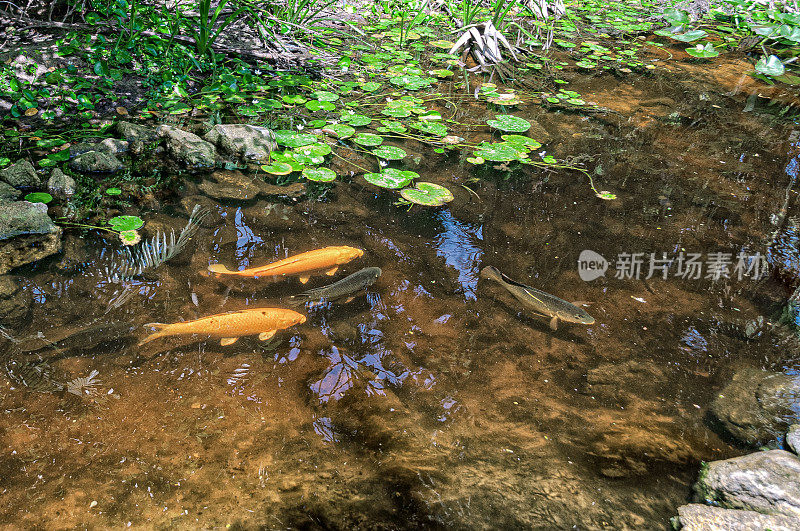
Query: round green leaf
(368, 139)
(129, 237)
(499, 152)
(433, 128)
(294, 140)
(391, 178)
(113, 191)
(278, 168)
(770, 66)
(314, 106)
(39, 197)
(509, 123)
(389, 152)
(370, 86)
(319, 174)
(357, 120)
(524, 141)
(427, 194)
(702, 52)
(323, 95)
(339, 130)
(126, 223)
(392, 126)
(689, 36)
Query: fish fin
(264, 336)
(332, 271)
(219, 269)
(581, 303)
(349, 299)
(225, 341)
(554, 323)
(158, 333)
(303, 280)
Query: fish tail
(491, 273)
(160, 332)
(219, 269)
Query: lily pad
(499, 152)
(130, 237)
(389, 152)
(371, 86)
(391, 178)
(427, 194)
(294, 140)
(314, 106)
(323, 95)
(527, 142)
(509, 123)
(339, 130)
(39, 197)
(442, 44)
(368, 139)
(278, 168)
(323, 175)
(392, 126)
(357, 120)
(433, 128)
(689, 36)
(125, 223)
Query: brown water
(434, 400)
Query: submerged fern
(150, 254)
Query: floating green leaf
(339, 130)
(433, 128)
(524, 141)
(323, 95)
(292, 139)
(278, 168)
(125, 223)
(129, 237)
(703, 52)
(391, 178)
(509, 123)
(356, 120)
(427, 194)
(500, 152)
(113, 191)
(368, 139)
(389, 152)
(39, 197)
(689, 36)
(392, 126)
(319, 174)
(314, 106)
(371, 86)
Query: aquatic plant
(84, 385)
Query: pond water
(434, 399)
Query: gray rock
(113, 146)
(136, 133)
(766, 482)
(8, 192)
(697, 517)
(188, 148)
(95, 162)
(60, 183)
(80, 148)
(21, 175)
(15, 303)
(757, 406)
(250, 142)
(225, 185)
(793, 438)
(27, 234)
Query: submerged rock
(225, 185)
(21, 175)
(8, 192)
(27, 234)
(757, 406)
(60, 183)
(15, 303)
(697, 517)
(766, 482)
(113, 146)
(188, 148)
(136, 133)
(250, 142)
(95, 162)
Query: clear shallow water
(434, 400)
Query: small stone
(188, 148)
(95, 162)
(113, 146)
(21, 175)
(225, 185)
(250, 142)
(60, 183)
(134, 132)
(93, 504)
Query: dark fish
(341, 289)
(540, 302)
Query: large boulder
(95, 162)
(230, 186)
(27, 234)
(757, 406)
(766, 482)
(250, 142)
(793, 438)
(21, 175)
(188, 148)
(136, 133)
(8, 192)
(60, 183)
(697, 517)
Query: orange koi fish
(231, 326)
(328, 259)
